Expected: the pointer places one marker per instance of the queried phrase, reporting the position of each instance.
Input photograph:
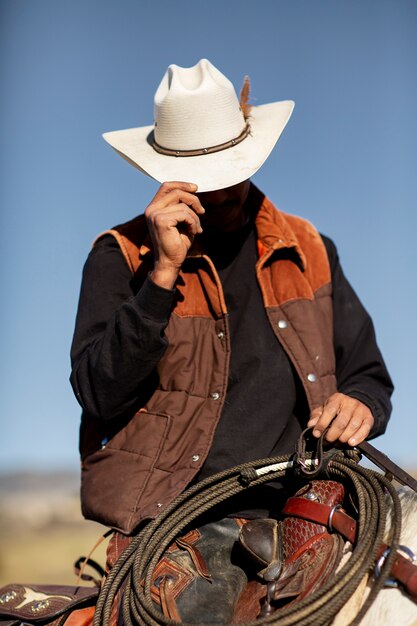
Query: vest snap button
(282, 324)
(195, 457)
(215, 395)
(311, 378)
(220, 334)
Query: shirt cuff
(154, 301)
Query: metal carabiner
(309, 466)
(390, 582)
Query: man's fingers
(175, 192)
(349, 420)
(315, 416)
(185, 216)
(340, 423)
(173, 221)
(362, 433)
(173, 199)
(353, 423)
(322, 416)
(359, 426)
(174, 216)
(175, 184)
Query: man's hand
(351, 420)
(173, 221)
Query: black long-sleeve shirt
(119, 339)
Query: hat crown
(195, 108)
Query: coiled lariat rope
(137, 563)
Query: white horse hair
(392, 607)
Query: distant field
(42, 532)
(47, 555)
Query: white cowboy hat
(202, 133)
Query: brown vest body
(152, 458)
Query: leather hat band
(201, 151)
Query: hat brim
(212, 171)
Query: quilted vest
(149, 460)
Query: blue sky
(347, 161)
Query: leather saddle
(293, 556)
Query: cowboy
(214, 328)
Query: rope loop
(135, 567)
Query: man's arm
(362, 406)
(119, 335)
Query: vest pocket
(114, 477)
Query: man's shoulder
(294, 227)
(307, 233)
(135, 230)
(300, 225)
(130, 237)
(289, 223)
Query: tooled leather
(190, 538)
(167, 571)
(117, 544)
(179, 577)
(178, 587)
(168, 604)
(196, 557)
(310, 553)
(170, 578)
(320, 514)
(43, 602)
(295, 531)
(186, 542)
(329, 492)
(309, 567)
